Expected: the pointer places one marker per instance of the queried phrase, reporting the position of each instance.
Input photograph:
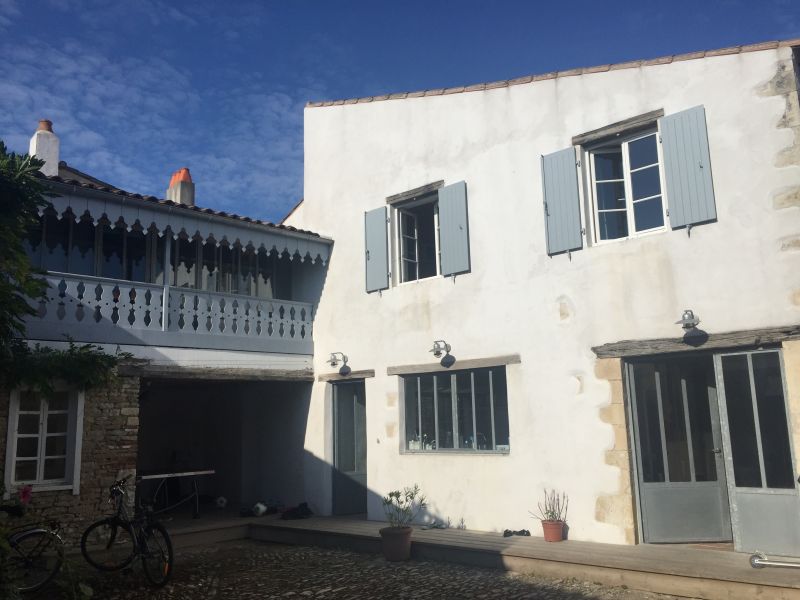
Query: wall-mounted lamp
(689, 320)
(334, 360)
(440, 347)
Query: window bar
(419, 414)
(42, 438)
(756, 421)
(690, 446)
(454, 410)
(436, 413)
(661, 425)
(491, 406)
(474, 425)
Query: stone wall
(110, 444)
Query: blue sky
(139, 88)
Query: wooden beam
(351, 375)
(456, 365)
(415, 193)
(618, 128)
(698, 342)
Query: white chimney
(45, 145)
(181, 187)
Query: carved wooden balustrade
(98, 310)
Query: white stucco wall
(516, 299)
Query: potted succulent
(553, 515)
(401, 508)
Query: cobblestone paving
(255, 570)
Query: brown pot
(396, 543)
(553, 531)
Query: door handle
(717, 451)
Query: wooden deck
(672, 569)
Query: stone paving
(256, 570)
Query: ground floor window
(459, 410)
(44, 439)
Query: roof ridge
(631, 64)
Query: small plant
(402, 507)
(554, 507)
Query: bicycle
(113, 543)
(35, 553)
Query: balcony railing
(99, 310)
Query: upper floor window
(629, 178)
(421, 234)
(626, 188)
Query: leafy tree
(22, 193)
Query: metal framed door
(759, 459)
(349, 448)
(680, 472)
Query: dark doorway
(349, 448)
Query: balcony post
(167, 277)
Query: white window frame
(74, 445)
(397, 213)
(622, 144)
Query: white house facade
(544, 235)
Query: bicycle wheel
(34, 559)
(156, 552)
(108, 545)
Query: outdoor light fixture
(439, 347)
(336, 357)
(689, 320)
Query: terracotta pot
(396, 543)
(553, 531)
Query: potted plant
(401, 508)
(553, 515)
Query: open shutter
(562, 203)
(376, 249)
(687, 167)
(454, 229)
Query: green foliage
(554, 507)
(81, 366)
(70, 584)
(21, 195)
(8, 589)
(402, 508)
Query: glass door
(758, 448)
(349, 448)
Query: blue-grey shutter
(454, 229)
(376, 249)
(562, 203)
(687, 168)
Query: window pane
(27, 447)
(81, 257)
(426, 233)
(500, 399)
(646, 183)
(25, 470)
(409, 271)
(113, 240)
(58, 401)
(772, 420)
(28, 424)
(345, 430)
(184, 261)
(56, 445)
(29, 401)
(55, 246)
(412, 414)
(611, 195)
(483, 410)
(648, 214)
(409, 248)
(135, 256)
(643, 152)
(209, 274)
(428, 414)
(33, 243)
(466, 433)
(739, 402)
(57, 423)
(445, 407)
(408, 225)
(265, 274)
(55, 468)
(699, 374)
(157, 261)
(648, 422)
(613, 225)
(675, 426)
(360, 410)
(247, 273)
(608, 165)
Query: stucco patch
(796, 297)
(787, 197)
(791, 364)
(782, 82)
(791, 154)
(790, 243)
(391, 399)
(566, 308)
(791, 116)
(391, 430)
